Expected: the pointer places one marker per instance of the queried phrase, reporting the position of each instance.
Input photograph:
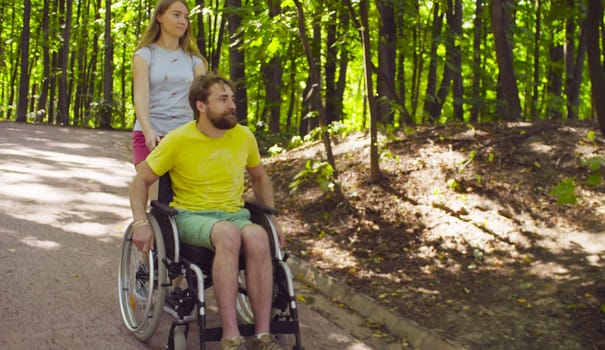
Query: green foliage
(592, 136)
(565, 192)
(594, 165)
(270, 143)
(275, 149)
(265, 35)
(453, 185)
(295, 141)
(320, 173)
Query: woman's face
(175, 20)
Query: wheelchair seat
(145, 292)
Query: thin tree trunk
(332, 101)
(24, 79)
(310, 106)
(375, 173)
(105, 122)
(574, 63)
(431, 84)
(316, 86)
(386, 61)
(457, 88)
(555, 79)
(201, 32)
(536, 58)
(237, 64)
(63, 103)
(505, 61)
(594, 22)
(42, 109)
(477, 97)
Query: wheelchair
(146, 289)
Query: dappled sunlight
(35, 192)
(76, 188)
(335, 257)
(41, 244)
(90, 229)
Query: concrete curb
(417, 336)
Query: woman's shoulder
(145, 52)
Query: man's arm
(261, 186)
(138, 193)
(263, 193)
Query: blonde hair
(153, 30)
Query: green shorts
(195, 226)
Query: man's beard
(223, 122)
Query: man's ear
(200, 106)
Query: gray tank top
(170, 76)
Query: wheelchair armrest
(163, 208)
(255, 207)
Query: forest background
(305, 63)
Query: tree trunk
(386, 61)
(91, 88)
(63, 103)
(574, 63)
(536, 59)
(273, 79)
(237, 64)
(595, 65)
(316, 86)
(333, 107)
(417, 62)
(201, 34)
(555, 81)
(108, 73)
(457, 88)
(310, 105)
(446, 79)
(42, 109)
(477, 97)
(375, 174)
(431, 84)
(24, 79)
(505, 60)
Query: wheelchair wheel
(142, 284)
(243, 306)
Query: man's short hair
(200, 88)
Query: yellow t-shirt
(206, 173)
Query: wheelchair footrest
(284, 327)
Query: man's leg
(259, 274)
(226, 238)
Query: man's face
(220, 109)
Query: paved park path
(63, 208)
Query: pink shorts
(139, 148)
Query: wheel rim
(142, 315)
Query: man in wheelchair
(207, 160)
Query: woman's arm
(140, 74)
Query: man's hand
(143, 237)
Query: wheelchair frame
(170, 259)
